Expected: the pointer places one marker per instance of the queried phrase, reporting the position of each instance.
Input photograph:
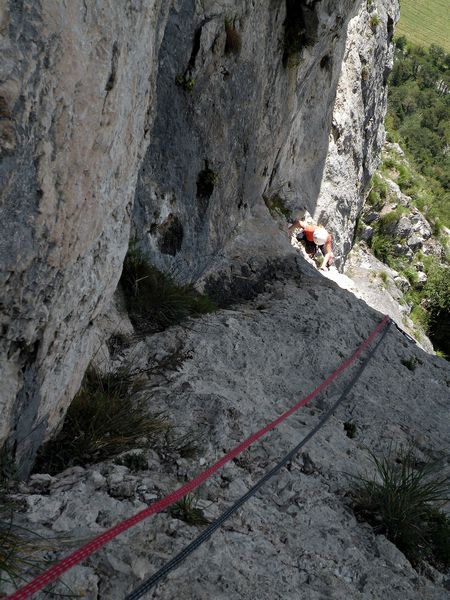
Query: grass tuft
(403, 502)
(374, 22)
(22, 551)
(153, 300)
(383, 248)
(186, 511)
(102, 421)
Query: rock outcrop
(76, 98)
(298, 537)
(235, 104)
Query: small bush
(153, 300)
(233, 41)
(185, 83)
(186, 511)
(102, 421)
(382, 247)
(403, 503)
(350, 429)
(411, 363)
(374, 22)
(383, 276)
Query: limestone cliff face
(76, 106)
(245, 123)
(230, 117)
(357, 133)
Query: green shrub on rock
(437, 301)
(403, 502)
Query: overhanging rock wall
(238, 122)
(229, 119)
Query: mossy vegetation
(153, 300)
(277, 207)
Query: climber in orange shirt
(315, 237)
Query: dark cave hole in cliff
(300, 28)
(171, 235)
(195, 47)
(206, 180)
(326, 62)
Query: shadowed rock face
(231, 126)
(86, 87)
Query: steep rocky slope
(230, 113)
(298, 538)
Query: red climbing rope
(93, 545)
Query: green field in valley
(425, 22)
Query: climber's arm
(296, 225)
